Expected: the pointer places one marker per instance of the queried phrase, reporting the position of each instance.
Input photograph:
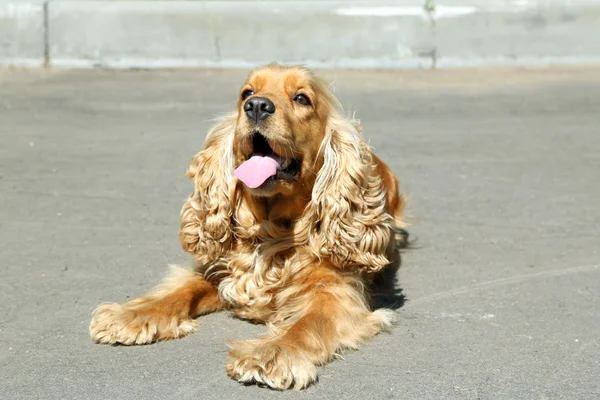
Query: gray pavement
(502, 288)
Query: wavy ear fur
(350, 224)
(205, 219)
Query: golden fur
(296, 255)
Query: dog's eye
(302, 100)
(247, 93)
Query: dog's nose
(259, 108)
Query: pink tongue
(256, 170)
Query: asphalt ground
(501, 290)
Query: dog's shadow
(384, 290)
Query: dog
(291, 217)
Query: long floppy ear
(205, 219)
(351, 226)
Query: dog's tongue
(256, 170)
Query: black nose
(259, 108)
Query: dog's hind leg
(166, 313)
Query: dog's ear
(350, 225)
(206, 217)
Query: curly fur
(297, 255)
(354, 228)
(205, 227)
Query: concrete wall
(379, 34)
(22, 33)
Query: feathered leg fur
(322, 313)
(167, 312)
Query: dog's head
(289, 145)
(281, 123)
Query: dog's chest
(250, 286)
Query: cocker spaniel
(291, 218)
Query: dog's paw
(136, 324)
(275, 365)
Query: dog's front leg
(165, 313)
(317, 316)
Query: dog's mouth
(264, 166)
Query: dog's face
(281, 122)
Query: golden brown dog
(290, 218)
